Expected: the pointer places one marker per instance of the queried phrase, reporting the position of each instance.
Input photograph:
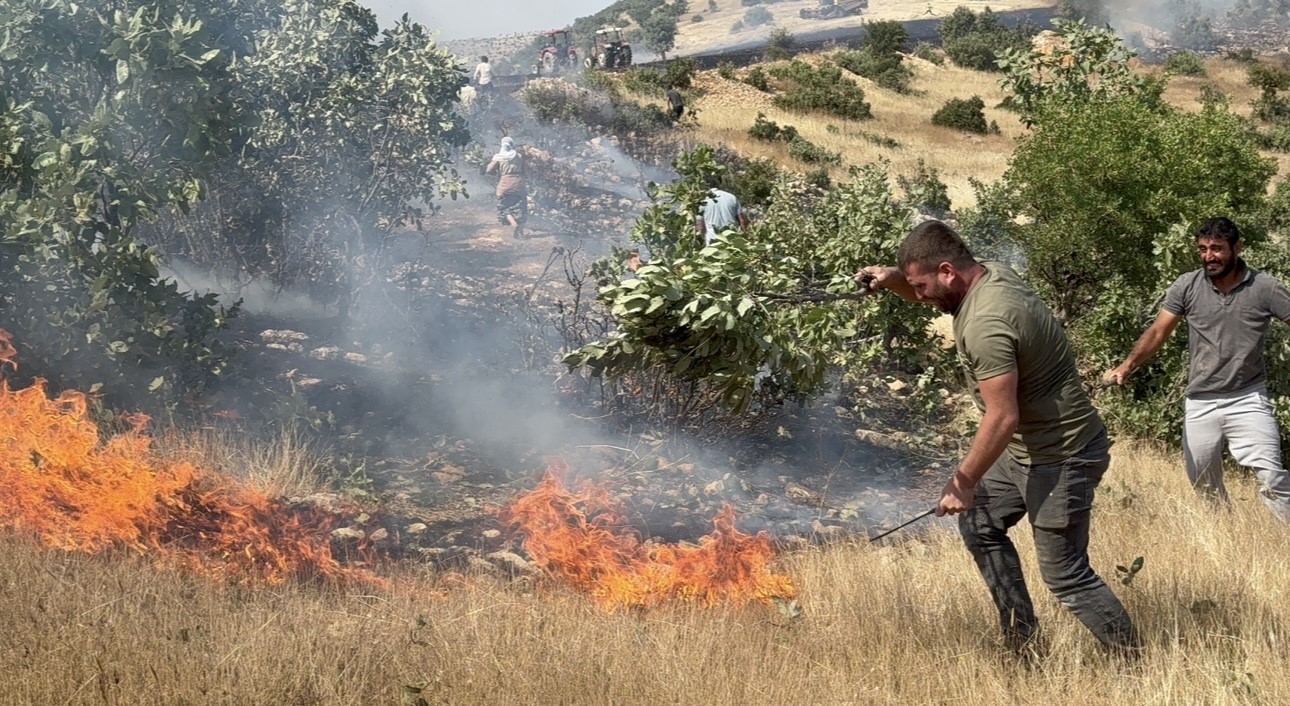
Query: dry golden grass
(729, 108)
(286, 466)
(907, 622)
(714, 31)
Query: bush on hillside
(975, 40)
(924, 190)
(1184, 63)
(804, 150)
(966, 115)
(756, 77)
(820, 89)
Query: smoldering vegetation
(906, 621)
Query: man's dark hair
(1219, 229)
(484, 59)
(930, 243)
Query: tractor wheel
(625, 57)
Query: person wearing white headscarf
(512, 194)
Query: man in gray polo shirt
(721, 211)
(1228, 306)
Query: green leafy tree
(350, 127)
(1098, 182)
(107, 116)
(658, 32)
(1091, 64)
(773, 308)
(975, 40)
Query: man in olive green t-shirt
(1041, 448)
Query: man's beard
(1225, 268)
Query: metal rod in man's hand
(901, 526)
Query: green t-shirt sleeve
(990, 348)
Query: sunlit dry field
(727, 109)
(905, 622)
(714, 29)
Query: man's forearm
(1145, 348)
(991, 440)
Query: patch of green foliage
(967, 115)
(975, 40)
(770, 311)
(1184, 63)
(870, 137)
(201, 131)
(879, 60)
(780, 44)
(758, 79)
(924, 190)
(559, 101)
(1095, 66)
(820, 88)
(799, 148)
(928, 52)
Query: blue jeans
(1058, 499)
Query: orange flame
(579, 537)
(61, 482)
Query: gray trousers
(1247, 423)
(1058, 499)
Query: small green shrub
(870, 137)
(738, 26)
(758, 79)
(1277, 139)
(820, 178)
(763, 129)
(751, 180)
(889, 72)
(680, 73)
(697, 18)
(644, 80)
(966, 115)
(1184, 63)
(782, 40)
(712, 5)
(928, 52)
(757, 16)
(804, 150)
(924, 190)
(1244, 55)
(726, 70)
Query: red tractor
(558, 55)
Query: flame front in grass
(581, 537)
(60, 481)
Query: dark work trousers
(1058, 498)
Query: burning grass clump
(61, 482)
(579, 536)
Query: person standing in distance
(675, 103)
(1228, 306)
(721, 210)
(1040, 449)
(483, 77)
